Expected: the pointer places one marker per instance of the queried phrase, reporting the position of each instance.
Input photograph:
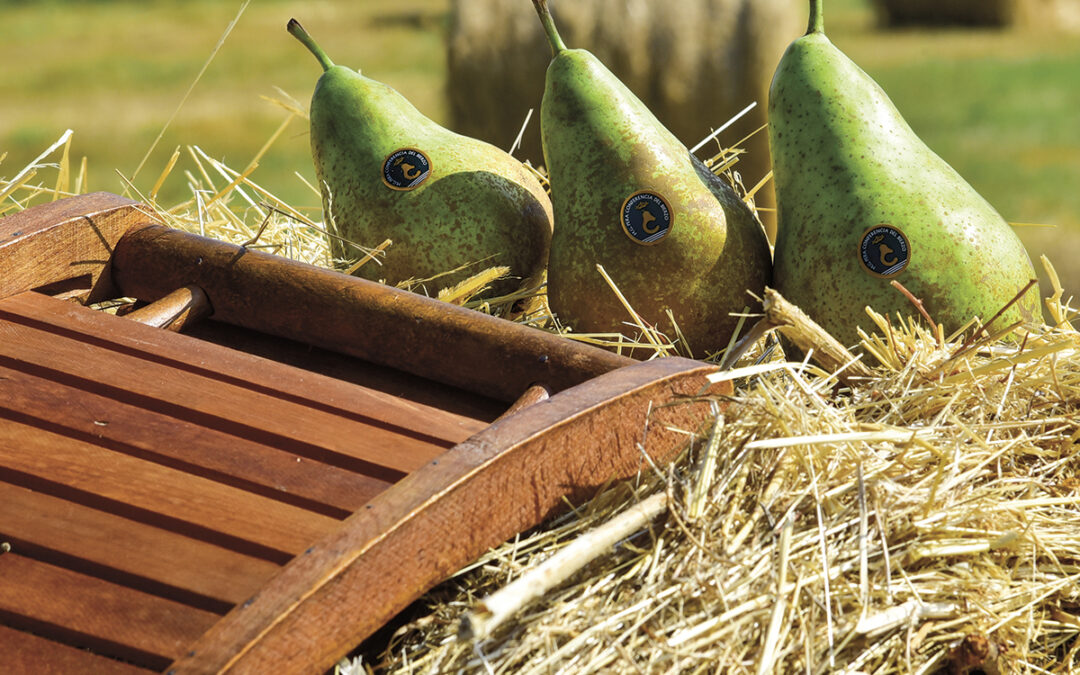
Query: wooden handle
(377, 323)
(534, 394)
(177, 310)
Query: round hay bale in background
(695, 63)
(1059, 14)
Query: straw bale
(695, 66)
(927, 518)
(1046, 14)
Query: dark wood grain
(261, 376)
(26, 654)
(204, 398)
(127, 551)
(144, 491)
(195, 449)
(504, 480)
(111, 619)
(476, 408)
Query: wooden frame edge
(503, 480)
(377, 323)
(66, 246)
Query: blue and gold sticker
(646, 217)
(405, 169)
(884, 251)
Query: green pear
(445, 200)
(862, 201)
(629, 196)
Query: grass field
(115, 72)
(1001, 107)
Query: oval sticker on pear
(884, 251)
(646, 217)
(405, 169)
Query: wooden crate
(264, 490)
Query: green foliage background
(1002, 107)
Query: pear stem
(298, 32)
(817, 18)
(557, 45)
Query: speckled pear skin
(844, 160)
(479, 204)
(601, 144)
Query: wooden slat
(148, 492)
(401, 385)
(508, 478)
(178, 310)
(203, 399)
(27, 654)
(108, 618)
(196, 449)
(304, 388)
(129, 552)
(376, 323)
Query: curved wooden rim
(505, 479)
(66, 244)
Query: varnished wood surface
(179, 501)
(163, 479)
(319, 393)
(129, 552)
(401, 385)
(67, 244)
(176, 311)
(92, 613)
(168, 498)
(199, 450)
(27, 653)
(508, 478)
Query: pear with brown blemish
(445, 200)
(629, 196)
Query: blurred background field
(1001, 106)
